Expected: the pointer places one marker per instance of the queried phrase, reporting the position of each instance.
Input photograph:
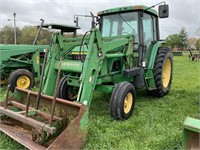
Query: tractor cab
(140, 21)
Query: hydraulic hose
(82, 45)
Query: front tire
(21, 78)
(163, 69)
(122, 101)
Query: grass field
(156, 123)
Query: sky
(182, 13)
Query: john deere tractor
(123, 54)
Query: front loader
(124, 53)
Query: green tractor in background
(123, 54)
(20, 64)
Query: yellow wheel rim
(166, 73)
(23, 82)
(128, 102)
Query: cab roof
(63, 28)
(127, 9)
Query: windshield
(120, 24)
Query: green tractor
(123, 54)
(19, 64)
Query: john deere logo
(72, 64)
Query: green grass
(157, 123)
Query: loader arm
(91, 68)
(98, 51)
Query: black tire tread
(16, 74)
(117, 100)
(162, 54)
(63, 89)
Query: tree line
(181, 40)
(26, 35)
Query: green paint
(99, 63)
(20, 56)
(126, 9)
(150, 60)
(191, 133)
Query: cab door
(149, 29)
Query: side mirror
(163, 11)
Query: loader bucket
(32, 127)
(191, 134)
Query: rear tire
(122, 101)
(21, 78)
(163, 68)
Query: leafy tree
(173, 40)
(26, 35)
(7, 35)
(44, 37)
(18, 35)
(184, 38)
(179, 40)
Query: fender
(148, 72)
(153, 53)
